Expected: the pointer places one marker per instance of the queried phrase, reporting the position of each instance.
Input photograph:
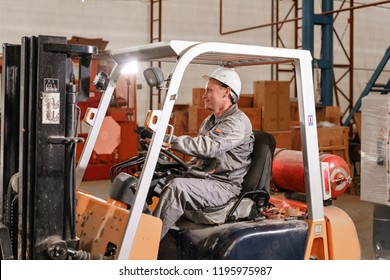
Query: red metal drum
(288, 172)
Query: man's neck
(220, 112)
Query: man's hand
(147, 136)
(166, 145)
(144, 134)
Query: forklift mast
(39, 123)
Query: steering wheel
(175, 158)
(171, 155)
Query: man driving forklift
(221, 153)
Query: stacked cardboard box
(332, 138)
(324, 113)
(179, 119)
(247, 105)
(196, 112)
(273, 99)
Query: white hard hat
(228, 77)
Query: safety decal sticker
(310, 120)
(50, 108)
(51, 85)
(51, 101)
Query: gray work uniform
(221, 157)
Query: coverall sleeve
(221, 138)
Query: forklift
(46, 215)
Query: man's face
(216, 97)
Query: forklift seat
(255, 188)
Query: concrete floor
(360, 212)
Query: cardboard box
(196, 115)
(282, 138)
(180, 122)
(296, 142)
(197, 99)
(294, 112)
(329, 114)
(357, 118)
(333, 140)
(245, 101)
(329, 138)
(273, 97)
(254, 115)
(336, 136)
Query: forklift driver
(221, 153)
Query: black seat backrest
(259, 174)
(256, 181)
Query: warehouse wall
(126, 22)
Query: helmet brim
(207, 77)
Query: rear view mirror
(101, 81)
(154, 77)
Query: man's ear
(227, 93)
